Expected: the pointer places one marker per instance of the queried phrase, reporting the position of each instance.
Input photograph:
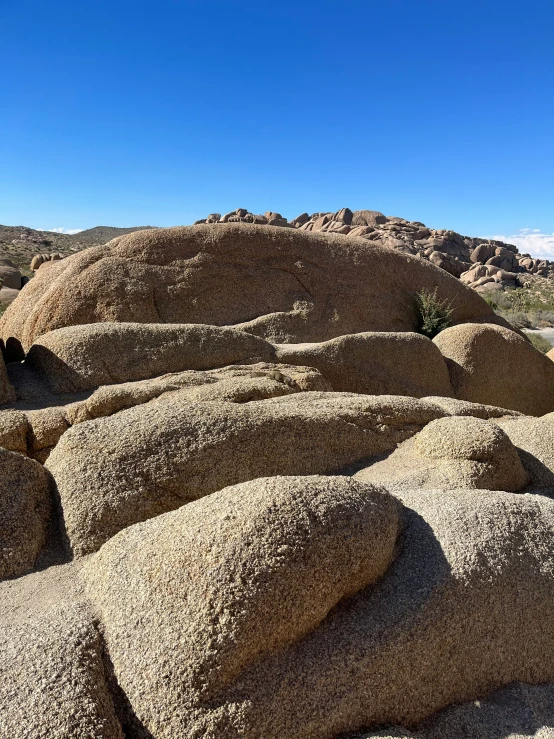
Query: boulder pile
(40, 259)
(243, 498)
(484, 264)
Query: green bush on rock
(434, 314)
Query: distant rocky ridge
(486, 265)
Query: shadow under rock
(33, 393)
(13, 350)
(132, 726)
(542, 477)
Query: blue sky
(135, 112)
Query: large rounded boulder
(113, 472)
(491, 364)
(84, 357)
(10, 276)
(24, 512)
(283, 284)
(376, 363)
(311, 606)
(452, 453)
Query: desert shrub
(518, 319)
(529, 307)
(544, 318)
(520, 299)
(434, 314)
(539, 342)
(491, 300)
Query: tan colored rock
(10, 276)
(454, 615)
(284, 285)
(8, 295)
(455, 407)
(376, 363)
(113, 472)
(300, 220)
(360, 230)
(24, 512)
(534, 440)
(248, 571)
(46, 426)
(13, 431)
(452, 453)
(520, 711)
(368, 218)
(344, 215)
(79, 358)
(482, 253)
(38, 431)
(493, 365)
(36, 261)
(52, 681)
(477, 272)
(7, 392)
(237, 384)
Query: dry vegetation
(528, 307)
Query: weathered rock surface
(52, 680)
(452, 453)
(24, 512)
(13, 431)
(37, 430)
(236, 384)
(520, 711)
(113, 472)
(203, 377)
(376, 363)
(491, 364)
(282, 284)
(453, 616)
(534, 440)
(7, 392)
(82, 357)
(455, 407)
(241, 574)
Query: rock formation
(283, 284)
(484, 264)
(491, 364)
(242, 498)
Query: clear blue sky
(128, 112)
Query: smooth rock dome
(279, 283)
(491, 364)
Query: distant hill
(21, 243)
(103, 234)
